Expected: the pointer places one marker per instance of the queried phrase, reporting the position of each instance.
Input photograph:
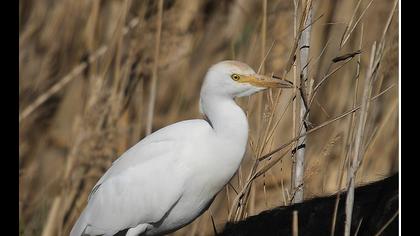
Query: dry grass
(86, 69)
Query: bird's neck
(226, 117)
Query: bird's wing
(142, 185)
(149, 148)
(165, 140)
(141, 194)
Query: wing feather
(143, 184)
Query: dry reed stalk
(227, 198)
(91, 26)
(349, 138)
(285, 201)
(301, 28)
(251, 201)
(261, 69)
(50, 228)
(295, 92)
(348, 31)
(153, 84)
(358, 143)
(265, 191)
(358, 227)
(298, 165)
(295, 227)
(387, 223)
(212, 222)
(263, 56)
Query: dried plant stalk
(295, 224)
(357, 154)
(349, 138)
(298, 165)
(153, 84)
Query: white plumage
(171, 177)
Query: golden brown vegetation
(86, 72)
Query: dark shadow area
(374, 206)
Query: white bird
(171, 177)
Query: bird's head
(237, 79)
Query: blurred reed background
(86, 69)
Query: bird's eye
(235, 77)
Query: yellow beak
(266, 81)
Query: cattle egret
(171, 177)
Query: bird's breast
(215, 164)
